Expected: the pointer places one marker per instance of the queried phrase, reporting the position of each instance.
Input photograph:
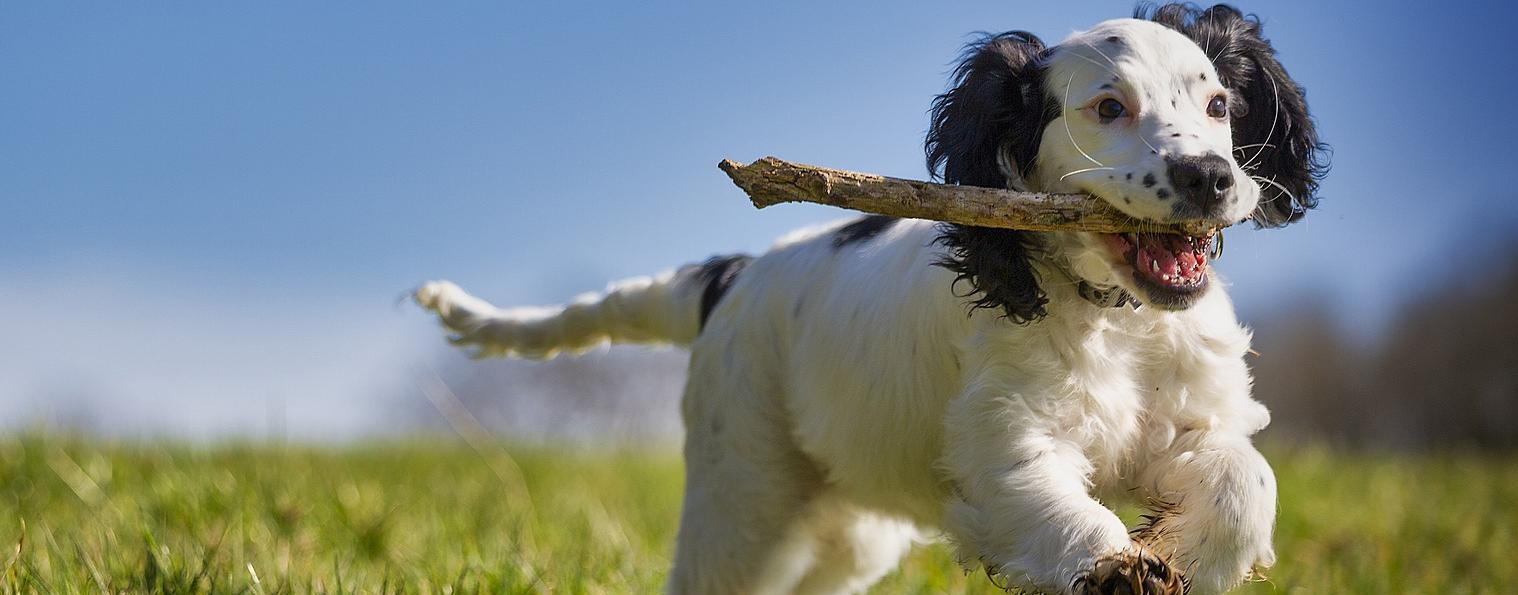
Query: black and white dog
(842, 404)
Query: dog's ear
(985, 132)
(1274, 137)
(995, 112)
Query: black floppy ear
(996, 103)
(985, 129)
(1274, 137)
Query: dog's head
(1179, 115)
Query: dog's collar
(1106, 297)
(1101, 296)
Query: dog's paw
(1136, 571)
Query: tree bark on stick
(770, 181)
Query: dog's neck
(1102, 296)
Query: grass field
(435, 517)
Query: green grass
(441, 518)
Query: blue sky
(209, 207)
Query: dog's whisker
(1066, 119)
(1276, 93)
(1148, 144)
(1099, 52)
(1252, 145)
(1104, 67)
(1278, 186)
(1207, 47)
(1257, 214)
(1087, 170)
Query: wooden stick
(770, 181)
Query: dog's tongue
(1170, 259)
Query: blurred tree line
(1443, 375)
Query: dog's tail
(668, 308)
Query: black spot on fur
(862, 230)
(996, 103)
(1149, 180)
(1203, 75)
(1267, 108)
(1175, 135)
(1129, 176)
(1162, 193)
(717, 274)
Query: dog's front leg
(1021, 506)
(1215, 506)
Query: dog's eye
(1218, 107)
(1109, 109)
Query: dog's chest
(1122, 387)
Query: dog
(870, 384)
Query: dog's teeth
(1154, 265)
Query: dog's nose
(1203, 180)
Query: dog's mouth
(1170, 268)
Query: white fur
(842, 399)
